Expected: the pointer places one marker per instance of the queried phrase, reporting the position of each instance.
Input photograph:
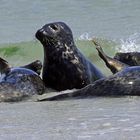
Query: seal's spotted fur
(65, 67)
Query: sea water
(116, 26)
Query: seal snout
(40, 34)
(47, 30)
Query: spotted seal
(65, 67)
(20, 82)
(130, 58)
(125, 81)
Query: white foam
(85, 36)
(132, 44)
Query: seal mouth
(47, 31)
(40, 34)
(44, 36)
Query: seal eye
(54, 28)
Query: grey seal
(18, 83)
(130, 58)
(125, 82)
(64, 67)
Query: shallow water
(119, 19)
(116, 24)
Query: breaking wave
(132, 44)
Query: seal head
(64, 67)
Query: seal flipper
(4, 66)
(113, 64)
(36, 66)
(66, 94)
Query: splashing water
(132, 44)
(85, 36)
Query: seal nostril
(53, 27)
(41, 30)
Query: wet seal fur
(113, 64)
(19, 83)
(65, 67)
(35, 66)
(130, 58)
(120, 60)
(125, 82)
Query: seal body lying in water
(20, 82)
(65, 67)
(130, 58)
(125, 82)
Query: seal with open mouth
(65, 67)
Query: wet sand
(83, 119)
